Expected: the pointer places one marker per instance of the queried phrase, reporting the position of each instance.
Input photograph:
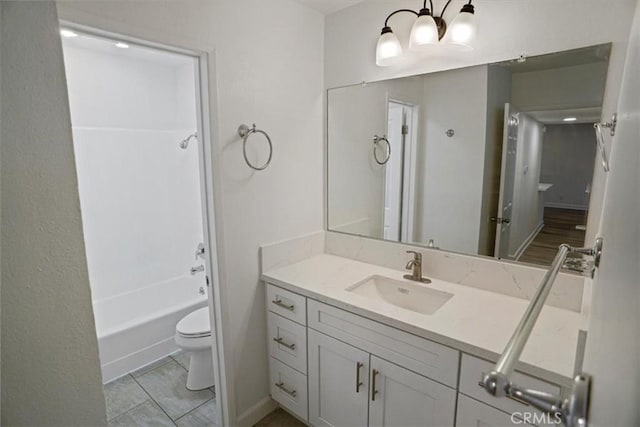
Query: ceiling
(328, 7)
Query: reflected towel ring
(245, 131)
(376, 140)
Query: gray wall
(568, 155)
(50, 367)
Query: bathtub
(137, 328)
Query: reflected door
(507, 180)
(397, 203)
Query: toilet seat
(195, 325)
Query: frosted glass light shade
(388, 49)
(462, 31)
(424, 33)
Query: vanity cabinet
(338, 382)
(347, 386)
(334, 368)
(400, 397)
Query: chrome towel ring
(245, 131)
(376, 140)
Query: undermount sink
(401, 293)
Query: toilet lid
(195, 324)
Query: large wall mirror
(494, 160)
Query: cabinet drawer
(471, 375)
(288, 342)
(472, 413)
(414, 353)
(289, 388)
(287, 304)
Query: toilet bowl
(193, 335)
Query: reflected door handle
(500, 220)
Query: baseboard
(257, 412)
(523, 247)
(565, 206)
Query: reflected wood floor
(279, 418)
(559, 227)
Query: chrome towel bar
(573, 410)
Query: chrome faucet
(415, 265)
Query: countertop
(474, 321)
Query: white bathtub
(137, 328)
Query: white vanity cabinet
(347, 386)
(338, 382)
(333, 368)
(400, 397)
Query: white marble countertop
(474, 321)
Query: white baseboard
(523, 247)
(257, 412)
(565, 206)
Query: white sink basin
(402, 293)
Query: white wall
(613, 350)
(50, 366)
(449, 191)
(524, 215)
(356, 182)
(268, 67)
(506, 30)
(578, 86)
(139, 191)
(570, 179)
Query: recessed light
(68, 33)
(122, 45)
(569, 119)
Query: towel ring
(376, 140)
(245, 131)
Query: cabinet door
(401, 398)
(472, 413)
(338, 382)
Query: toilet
(193, 335)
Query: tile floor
(155, 395)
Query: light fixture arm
(386, 21)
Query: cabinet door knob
(373, 385)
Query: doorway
(139, 141)
(399, 182)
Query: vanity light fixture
(569, 119)
(122, 45)
(427, 31)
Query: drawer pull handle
(515, 399)
(358, 382)
(281, 386)
(373, 385)
(279, 303)
(281, 342)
